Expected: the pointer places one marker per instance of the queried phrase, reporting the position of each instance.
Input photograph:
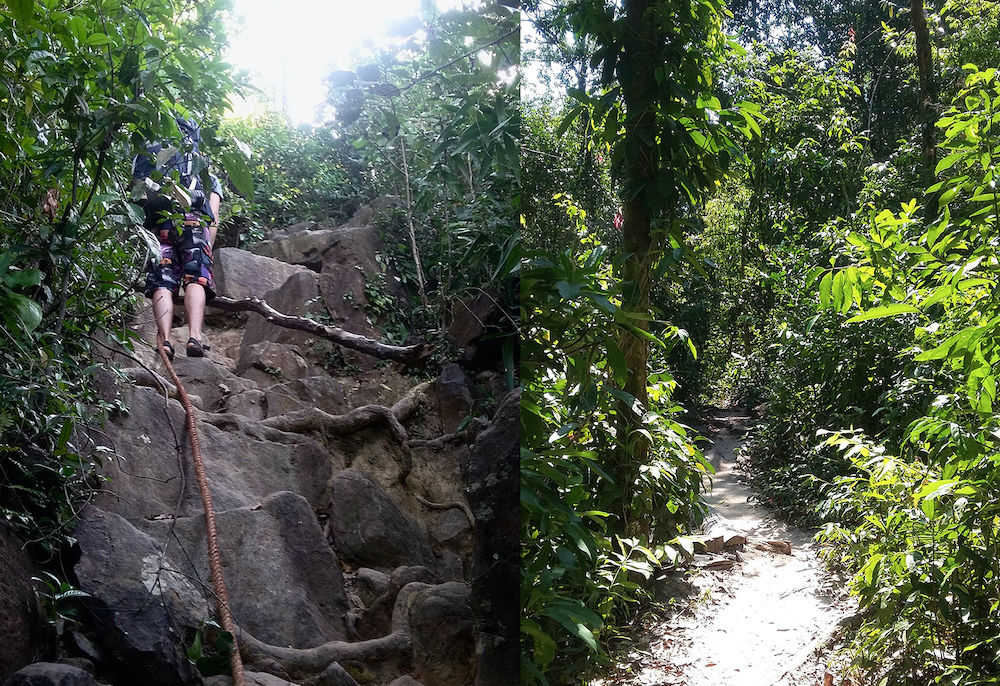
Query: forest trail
(759, 623)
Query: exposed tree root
(410, 355)
(447, 506)
(306, 662)
(314, 419)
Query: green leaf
(618, 366)
(885, 311)
(25, 278)
(568, 290)
(239, 173)
(27, 311)
(22, 10)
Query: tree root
(447, 506)
(410, 355)
(305, 662)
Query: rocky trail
(367, 517)
(770, 619)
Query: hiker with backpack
(171, 190)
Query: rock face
(18, 620)
(50, 674)
(493, 489)
(143, 608)
(338, 573)
(369, 529)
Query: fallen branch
(410, 355)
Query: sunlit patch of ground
(756, 624)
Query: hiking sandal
(170, 350)
(194, 348)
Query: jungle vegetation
(774, 204)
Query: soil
(770, 619)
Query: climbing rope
(214, 560)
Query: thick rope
(214, 560)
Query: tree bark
(925, 71)
(410, 355)
(638, 82)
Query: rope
(214, 560)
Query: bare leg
(163, 312)
(194, 307)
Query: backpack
(184, 166)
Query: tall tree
(654, 105)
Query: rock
(471, 320)
(323, 392)
(269, 363)
(249, 404)
(451, 567)
(146, 478)
(82, 645)
(334, 675)
(367, 214)
(51, 674)
(251, 678)
(80, 663)
(454, 397)
(242, 274)
(371, 584)
(377, 618)
(298, 296)
(441, 630)
(354, 246)
(284, 582)
(272, 234)
(142, 607)
(302, 247)
(406, 680)
(452, 530)
(343, 290)
(212, 382)
(494, 479)
(19, 616)
(369, 529)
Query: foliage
(437, 119)
(576, 585)
(917, 525)
(299, 173)
(83, 86)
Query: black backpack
(184, 166)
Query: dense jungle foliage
(820, 191)
(433, 119)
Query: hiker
(186, 220)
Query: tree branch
(410, 355)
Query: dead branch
(410, 355)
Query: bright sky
(291, 45)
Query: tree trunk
(925, 70)
(637, 78)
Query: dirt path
(756, 624)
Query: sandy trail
(753, 625)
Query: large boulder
(494, 477)
(18, 614)
(148, 479)
(50, 674)
(242, 274)
(472, 319)
(297, 297)
(369, 529)
(143, 608)
(302, 247)
(323, 392)
(269, 363)
(441, 630)
(284, 582)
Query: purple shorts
(186, 257)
